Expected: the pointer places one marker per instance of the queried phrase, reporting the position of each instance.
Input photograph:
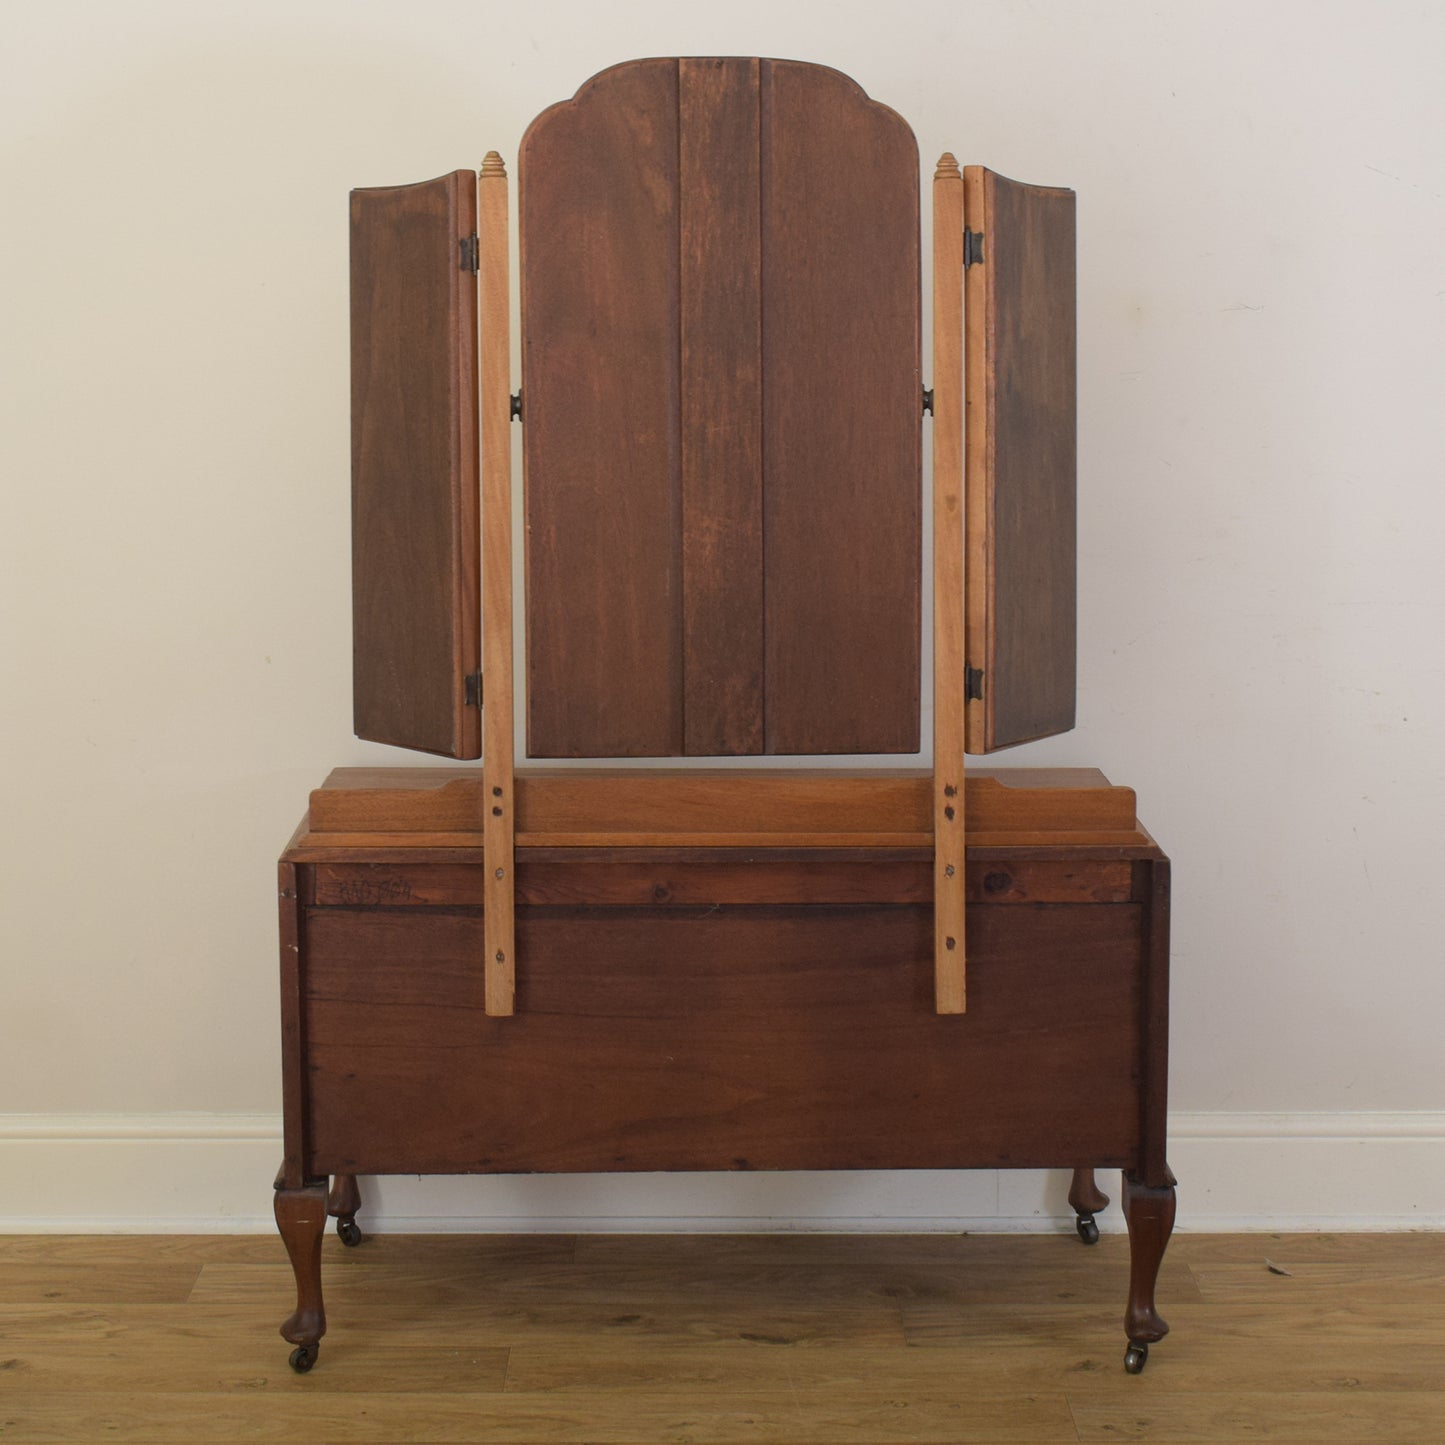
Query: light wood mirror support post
(948, 660)
(498, 823)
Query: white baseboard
(211, 1173)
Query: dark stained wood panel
(707, 1038)
(841, 416)
(721, 395)
(598, 207)
(677, 878)
(1020, 359)
(415, 600)
(721, 388)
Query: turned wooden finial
(947, 166)
(492, 165)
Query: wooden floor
(724, 1338)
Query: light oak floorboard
(632, 1420)
(97, 1283)
(817, 1338)
(1252, 1415)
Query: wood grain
(415, 609)
(97, 1282)
(1154, 889)
(949, 793)
(499, 802)
(604, 801)
(597, 194)
(570, 876)
(635, 1418)
(419, 847)
(691, 801)
(293, 1084)
(720, 317)
(721, 388)
(728, 1038)
(842, 416)
(1209, 1415)
(1021, 407)
(762, 1337)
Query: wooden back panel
(414, 549)
(721, 394)
(597, 202)
(1020, 460)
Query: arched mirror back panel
(722, 414)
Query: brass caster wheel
(303, 1357)
(348, 1232)
(1088, 1230)
(1135, 1357)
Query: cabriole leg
(301, 1218)
(1086, 1199)
(1149, 1213)
(342, 1204)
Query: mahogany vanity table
(501, 969)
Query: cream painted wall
(1262, 332)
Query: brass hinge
(972, 248)
(472, 689)
(470, 260)
(973, 684)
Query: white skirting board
(211, 1173)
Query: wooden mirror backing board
(721, 409)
